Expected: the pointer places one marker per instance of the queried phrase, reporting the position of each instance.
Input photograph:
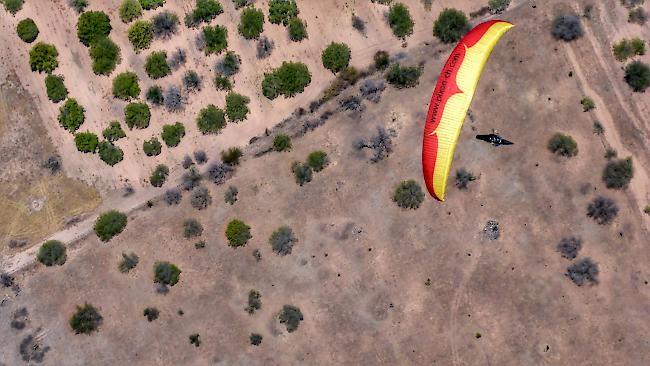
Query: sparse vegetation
(109, 153)
(192, 81)
(587, 104)
(618, 173)
(105, 55)
(567, 27)
(71, 115)
(400, 20)
(156, 65)
(86, 142)
(130, 10)
(637, 76)
(583, 271)
(222, 83)
(151, 314)
(282, 11)
(172, 134)
(125, 86)
(174, 101)
(569, 247)
(382, 60)
(216, 39)
(238, 233)
(200, 156)
(137, 115)
(637, 16)
(229, 65)
(93, 26)
(166, 273)
(291, 316)
(237, 107)
(155, 95)
(159, 175)
(463, 177)
(358, 24)
(164, 24)
(282, 240)
(109, 224)
(86, 319)
(128, 262)
(297, 29)
(27, 30)
(56, 90)
(302, 172)
(254, 301)
(408, 194)
(231, 156)
(603, 210)
(563, 145)
(403, 76)
(627, 48)
(336, 57)
(211, 120)
(231, 195)
(264, 47)
(51, 253)
(204, 12)
(140, 35)
(381, 144)
(177, 59)
(200, 198)
(289, 79)
(191, 179)
(43, 58)
(498, 6)
(251, 23)
(451, 26)
(281, 142)
(192, 228)
(152, 147)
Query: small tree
(43, 58)
(109, 224)
(51, 253)
(137, 115)
(125, 86)
(109, 153)
(289, 79)
(382, 60)
(27, 30)
(13, 6)
(130, 10)
(400, 21)
(254, 301)
(403, 76)
(281, 142)
(152, 147)
(128, 262)
(211, 120)
(113, 132)
(317, 160)
(297, 29)
(282, 11)
(291, 316)
(563, 145)
(336, 57)
(603, 210)
(140, 35)
(569, 247)
(450, 26)
(56, 90)
(156, 65)
(231, 156)
(200, 198)
(463, 177)
(237, 106)
(231, 195)
(172, 134)
(86, 142)
(173, 196)
(251, 23)
(637, 76)
(567, 27)
(165, 24)
(86, 319)
(408, 194)
(151, 314)
(71, 115)
(159, 175)
(166, 274)
(238, 233)
(192, 228)
(105, 55)
(282, 240)
(302, 172)
(92, 26)
(583, 271)
(216, 39)
(192, 81)
(618, 173)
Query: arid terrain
(377, 284)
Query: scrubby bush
(109, 153)
(137, 115)
(231, 195)
(204, 11)
(603, 210)
(637, 16)
(637, 76)
(242, 3)
(156, 65)
(381, 143)
(463, 177)
(200, 198)
(282, 11)
(43, 58)
(408, 194)
(358, 24)
(13, 6)
(71, 115)
(78, 5)
(618, 173)
(569, 247)
(382, 60)
(297, 29)
(289, 79)
(51, 253)
(86, 142)
(191, 179)
(238, 233)
(567, 27)
(164, 24)
(130, 10)
(125, 86)
(498, 6)
(282, 240)
(587, 104)
(174, 101)
(155, 95)
(128, 262)
(229, 65)
(400, 21)
(281, 142)
(152, 147)
(200, 156)
(159, 175)
(177, 59)
(86, 319)
(151, 4)
(302, 172)
(192, 228)
(222, 83)
(173, 196)
(140, 35)
(53, 164)
(92, 26)
(105, 55)
(166, 274)
(317, 160)
(194, 339)
(237, 107)
(109, 224)
(291, 316)
(192, 80)
(403, 76)
(211, 120)
(255, 339)
(264, 47)
(563, 145)
(450, 26)
(231, 156)
(151, 314)
(27, 30)
(220, 173)
(216, 39)
(254, 301)
(187, 162)
(56, 90)
(583, 271)
(336, 57)
(251, 23)
(627, 48)
(172, 134)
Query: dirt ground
(378, 284)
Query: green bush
(151, 4)
(251, 23)
(627, 48)
(113, 132)
(282, 11)
(637, 76)
(109, 224)
(159, 175)
(282, 240)
(281, 142)
(86, 319)
(382, 60)
(152, 147)
(137, 115)
(43, 57)
(587, 104)
(27, 30)
(237, 107)
(238, 233)
(51, 253)
(56, 90)
(231, 156)
(130, 10)
(317, 160)
(222, 83)
(109, 153)
(78, 5)
(105, 55)
(291, 316)
(618, 173)
(86, 142)
(92, 26)
(13, 6)
(302, 173)
(204, 12)
(156, 65)
(125, 86)
(289, 79)
(140, 35)
(172, 134)
(408, 194)
(400, 21)
(563, 145)
(166, 273)
(71, 115)
(211, 120)
(336, 57)
(155, 95)
(450, 26)
(297, 29)
(403, 76)
(216, 39)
